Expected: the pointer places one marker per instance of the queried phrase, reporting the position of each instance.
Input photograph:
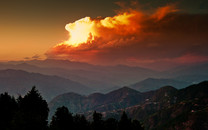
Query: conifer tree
(33, 112)
(62, 120)
(124, 123)
(8, 108)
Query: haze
(150, 34)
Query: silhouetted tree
(81, 123)
(136, 125)
(97, 123)
(33, 112)
(62, 120)
(8, 108)
(124, 123)
(111, 124)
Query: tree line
(31, 113)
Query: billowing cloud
(135, 37)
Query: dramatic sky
(153, 33)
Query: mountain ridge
(154, 83)
(49, 86)
(107, 78)
(157, 109)
(100, 78)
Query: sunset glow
(103, 64)
(93, 36)
(86, 30)
(104, 32)
(163, 11)
(81, 31)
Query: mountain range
(83, 88)
(95, 78)
(18, 82)
(153, 84)
(100, 78)
(164, 108)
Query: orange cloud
(163, 11)
(132, 35)
(87, 30)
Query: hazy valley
(156, 98)
(101, 78)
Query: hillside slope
(19, 82)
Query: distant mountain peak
(168, 88)
(19, 81)
(11, 72)
(95, 95)
(124, 89)
(154, 84)
(69, 94)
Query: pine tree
(33, 112)
(62, 120)
(111, 124)
(97, 123)
(136, 125)
(81, 123)
(8, 108)
(125, 122)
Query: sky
(138, 33)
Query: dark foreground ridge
(31, 113)
(165, 108)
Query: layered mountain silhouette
(117, 99)
(99, 78)
(107, 78)
(158, 109)
(153, 84)
(161, 100)
(19, 82)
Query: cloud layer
(136, 38)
